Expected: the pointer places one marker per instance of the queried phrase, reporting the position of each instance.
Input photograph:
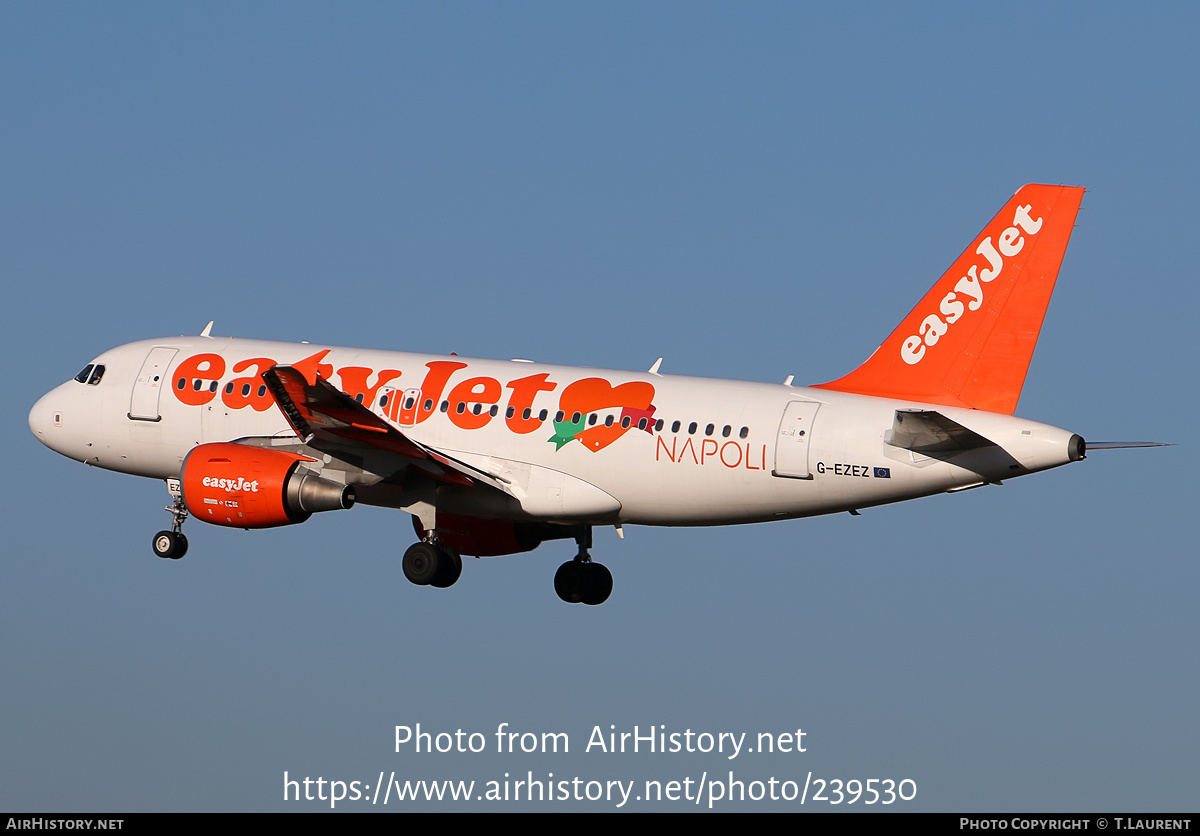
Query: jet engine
(251, 487)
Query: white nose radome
(41, 418)
(48, 421)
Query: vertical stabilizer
(969, 341)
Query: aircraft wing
(327, 419)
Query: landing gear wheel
(449, 568)
(170, 544)
(421, 563)
(597, 583)
(569, 581)
(589, 583)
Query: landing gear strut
(172, 544)
(580, 581)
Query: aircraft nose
(46, 421)
(41, 418)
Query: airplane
(496, 457)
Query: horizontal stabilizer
(929, 431)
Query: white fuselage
(723, 453)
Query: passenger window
(658, 425)
(692, 428)
(675, 426)
(608, 422)
(641, 423)
(745, 432)
(709, 429)
(726, 431)
(542, 415)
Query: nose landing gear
(172, 544)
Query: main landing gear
(580, 581)
(432, 564)
(172, 544)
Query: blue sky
(749, 191)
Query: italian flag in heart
(593, 394)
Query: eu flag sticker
(883, 473)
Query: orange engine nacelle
(250, 487)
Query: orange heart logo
(593, 394)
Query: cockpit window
(91, 373)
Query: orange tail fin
(969, 341)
